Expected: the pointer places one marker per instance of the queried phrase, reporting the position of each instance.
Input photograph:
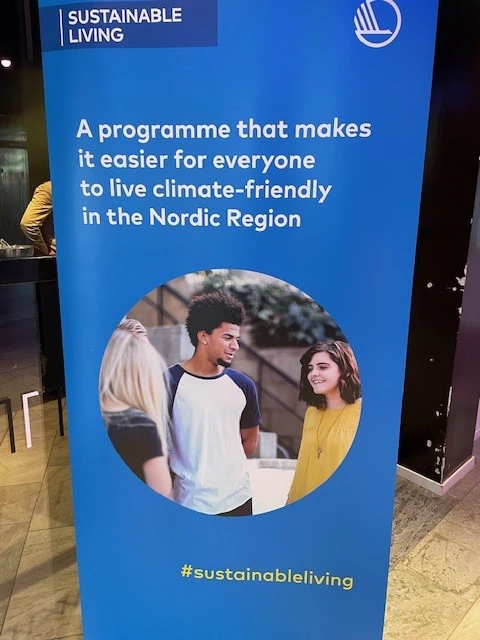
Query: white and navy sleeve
(172, 379)
(251, 414)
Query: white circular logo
(376, 27)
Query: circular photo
(230, 392)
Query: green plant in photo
(280, 315)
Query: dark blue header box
(130, 25)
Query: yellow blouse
(330, 431)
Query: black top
(134, 436)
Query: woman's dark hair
(349, 384)
(207, 311)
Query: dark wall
(13, 154)
(10, 47)
(453, 148)
(466, 371)
(24, 164)
(33, 105)
(23, 140)
(21, 86)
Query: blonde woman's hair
(132, 374)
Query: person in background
(214, 413)
(133, 400)
(330, 385)
(37, 221)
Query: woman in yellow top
(330, 385)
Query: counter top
(34, 269)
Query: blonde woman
(133, 399)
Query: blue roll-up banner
(257, 166)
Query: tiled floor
(38, 572)
(434, 583)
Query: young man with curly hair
(214, 412)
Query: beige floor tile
(469, 627)
(28, 381)
(17, 361)
(462, 524)
(17, 389)
(418, 609)
(44, 603)
(38, 407)
(60, 453)
(44, 617)
(450, 566)
(5, 366)
(33, 370)
(20, 439)
(48, 562)
(54, 505)
(417, 511)
(472, 478)
(17, 502)
(21, 442)
(12, 540)
(3, 432)
(26, 465)
(44, 407)
(6, 381)
(44, 421)
(40, 427)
